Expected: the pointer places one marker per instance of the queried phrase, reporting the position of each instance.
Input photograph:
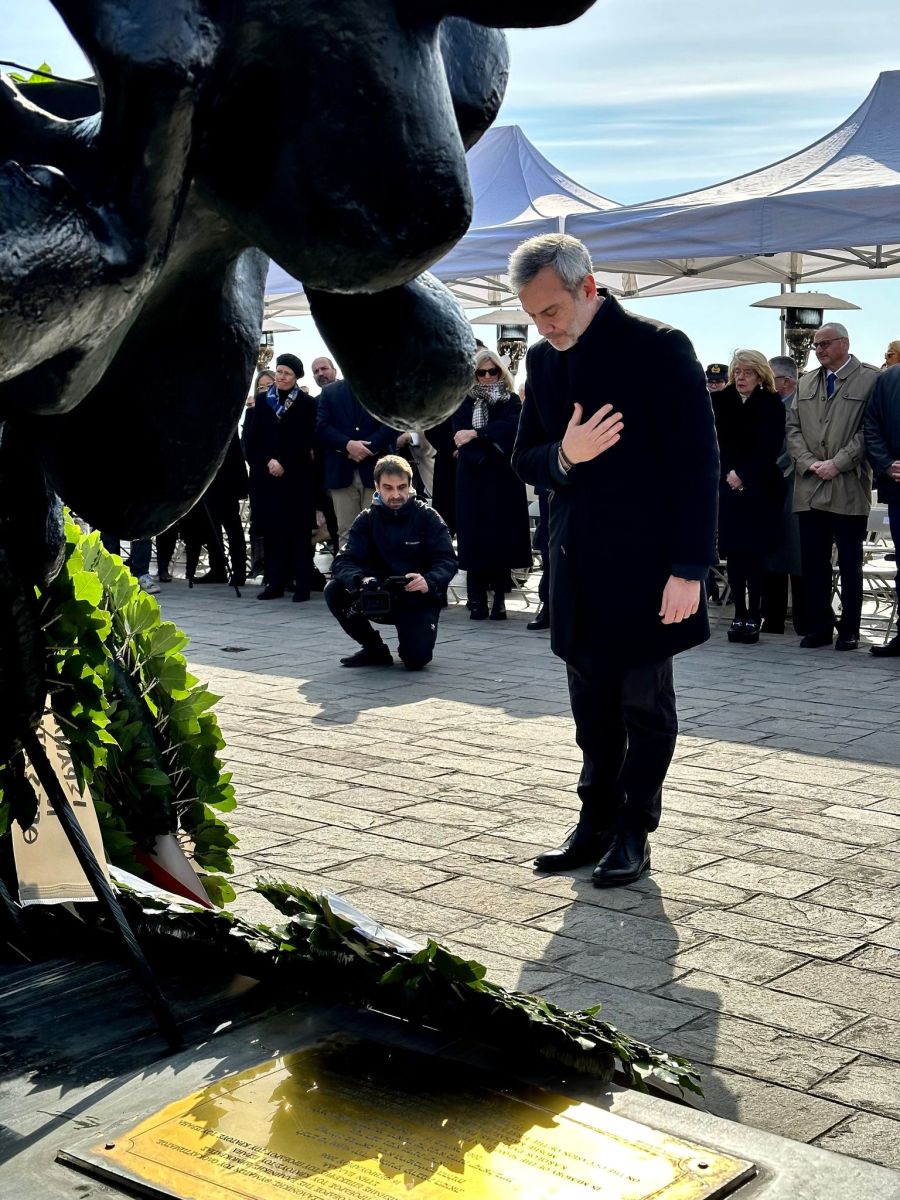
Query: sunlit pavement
(766, 940)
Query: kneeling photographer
(395, 570)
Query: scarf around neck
(486, 395)
(279, 406)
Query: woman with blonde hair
(492, 527)
(750, 426)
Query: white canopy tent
(830, 212)
(517, 194)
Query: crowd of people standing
(797, 461)
(306, 463)
(798, 455)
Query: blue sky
(650, 98)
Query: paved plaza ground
(765, 944)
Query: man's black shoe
(846, 643)
(813, 641)
(890, 649)
(624, 862)
(583, 845)
(300, 597)
(771, 626)
(271, 593)
(369, 656)
(541, 619)
(211, 577)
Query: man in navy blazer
(351, 441)
(882, 433)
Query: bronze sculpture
(134, 225)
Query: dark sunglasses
(489, 371)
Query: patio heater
(512, 340)
(802, 314)
(512, 333)
(267, 341)
(265, 350)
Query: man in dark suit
(350, 442)
(632, 467)
(882, 432)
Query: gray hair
(839, 329)
(568, 257)
(782, 365)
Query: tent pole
(782, 289)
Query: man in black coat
(882, 432)
(350, 441)
(398, 538)
(632, 536)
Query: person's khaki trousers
(348, 503)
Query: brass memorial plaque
(350, 1120)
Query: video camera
(376, 597)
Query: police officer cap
(292, 362)
(717, 372)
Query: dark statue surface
(135, 223)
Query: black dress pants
(626, 726)
(416, 623)
(818, 532)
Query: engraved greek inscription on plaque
(350, 1120)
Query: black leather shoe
(846, 643)
(736, 630)
(498, 609)
(625, 861)
(813, 641)
(890, 649)
(583, 845)
(211, 577)
(163, 575)
(369, 656)
(750, 632)
(271, 593)
(771, 627)
(478, 612)
(300, 597)
(541, 619)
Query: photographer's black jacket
(385, 542)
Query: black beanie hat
(292, 362)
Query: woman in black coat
(278, 440)
(492, 527)
(750, 427)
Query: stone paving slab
(765, 943)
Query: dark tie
(829, 384)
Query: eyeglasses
(825, 343)
(487, 371)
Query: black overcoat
(882, 426)
(286, 502)
(492, 527)
(751, 439)
(645, 509)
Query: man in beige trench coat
(832, 484)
